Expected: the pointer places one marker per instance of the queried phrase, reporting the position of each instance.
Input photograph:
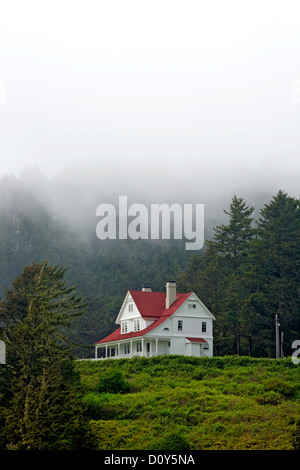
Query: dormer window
(124, 327)
(136, 325)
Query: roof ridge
(159, 319)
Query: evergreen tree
(41, 406)
(218, 276)
(276, 268)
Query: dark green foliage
(296, 435)
(103, 271)
(42, 408)
(112, 381)
(249, 274)
(171, 441)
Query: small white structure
(156, 323)
(2, 352)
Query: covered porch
(142, 346)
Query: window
(127, 349)
(124, 327)
(180, 325)
(204, 327)
(139, 347)
(130, 308)
(192, 305)
(136, 325)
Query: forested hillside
(33, 230)
(248, 271)
(249, 274)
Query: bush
(282, 387)
(172, 441)
(112, 381)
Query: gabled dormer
(139, 310)
(129, 317)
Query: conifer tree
(276, 267)
(220, 281)
(42, 408)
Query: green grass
(177, 402)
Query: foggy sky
(160, 100)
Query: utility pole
(281, 345)
(277, 325)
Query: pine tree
(43, 410)
(217, 276)
(276, 266)
(230, 248)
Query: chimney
(146, 289)
(170, 293)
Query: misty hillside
(38, 222)
(55, 220)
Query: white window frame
(204, 327)
(180, 325)
(136, 324)
(139, 346)
(130, 307)
(124, 327)
(126, 349)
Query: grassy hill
(178, 403)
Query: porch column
(130, 354)
(142, 346)
(106, 351)
(118, 349)
(156, 345)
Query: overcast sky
(210, 87)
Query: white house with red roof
(158, 323)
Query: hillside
(179, 403)
(247, 274)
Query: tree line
(248, 274)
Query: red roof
(197, 340)
(150, 305)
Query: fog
(162, 101)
